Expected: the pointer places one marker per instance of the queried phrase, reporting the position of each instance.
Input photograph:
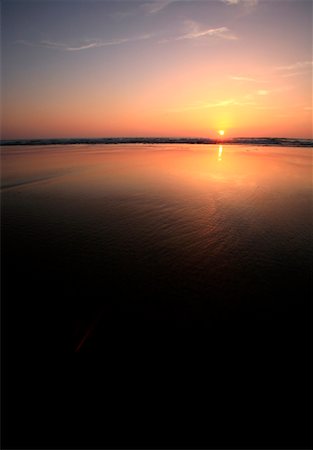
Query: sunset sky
(156, 68)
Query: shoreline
(286, 142)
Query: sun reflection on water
(220, 151)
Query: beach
(176, 249)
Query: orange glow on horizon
(138, 79)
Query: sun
(221, 132)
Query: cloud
(242, 2)
(296, 66)
(295, 69)
(83, 45)
(218, 104)
(195, 32)
(221, 32)
(89, 43)
(242, 7)
(230, 2)
(239, 78)
(293, 74)
(201, 105)
(122, 14)
(156, 6)
(266, 108)
(262, 92)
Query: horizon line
(146, 139)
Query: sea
(160, 258)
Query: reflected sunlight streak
(220, 151)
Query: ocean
(155, 250)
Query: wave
(264, 141)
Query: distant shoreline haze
(291, 142)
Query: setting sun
(156, 178)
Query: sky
(176, 68)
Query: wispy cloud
(218, 104)
(156, 6)
(262, 92)
(296, 66)
(241, 8)
(202, 105)
(221, 32)
(239, 78)
(230, 2)
(195, 31)
(83, 45)
(266, 108)
(293, 74)
(242, 2)
(277, 90)
(265, 92)
(122, 14)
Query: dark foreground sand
(181, 272)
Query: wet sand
(146, 253)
